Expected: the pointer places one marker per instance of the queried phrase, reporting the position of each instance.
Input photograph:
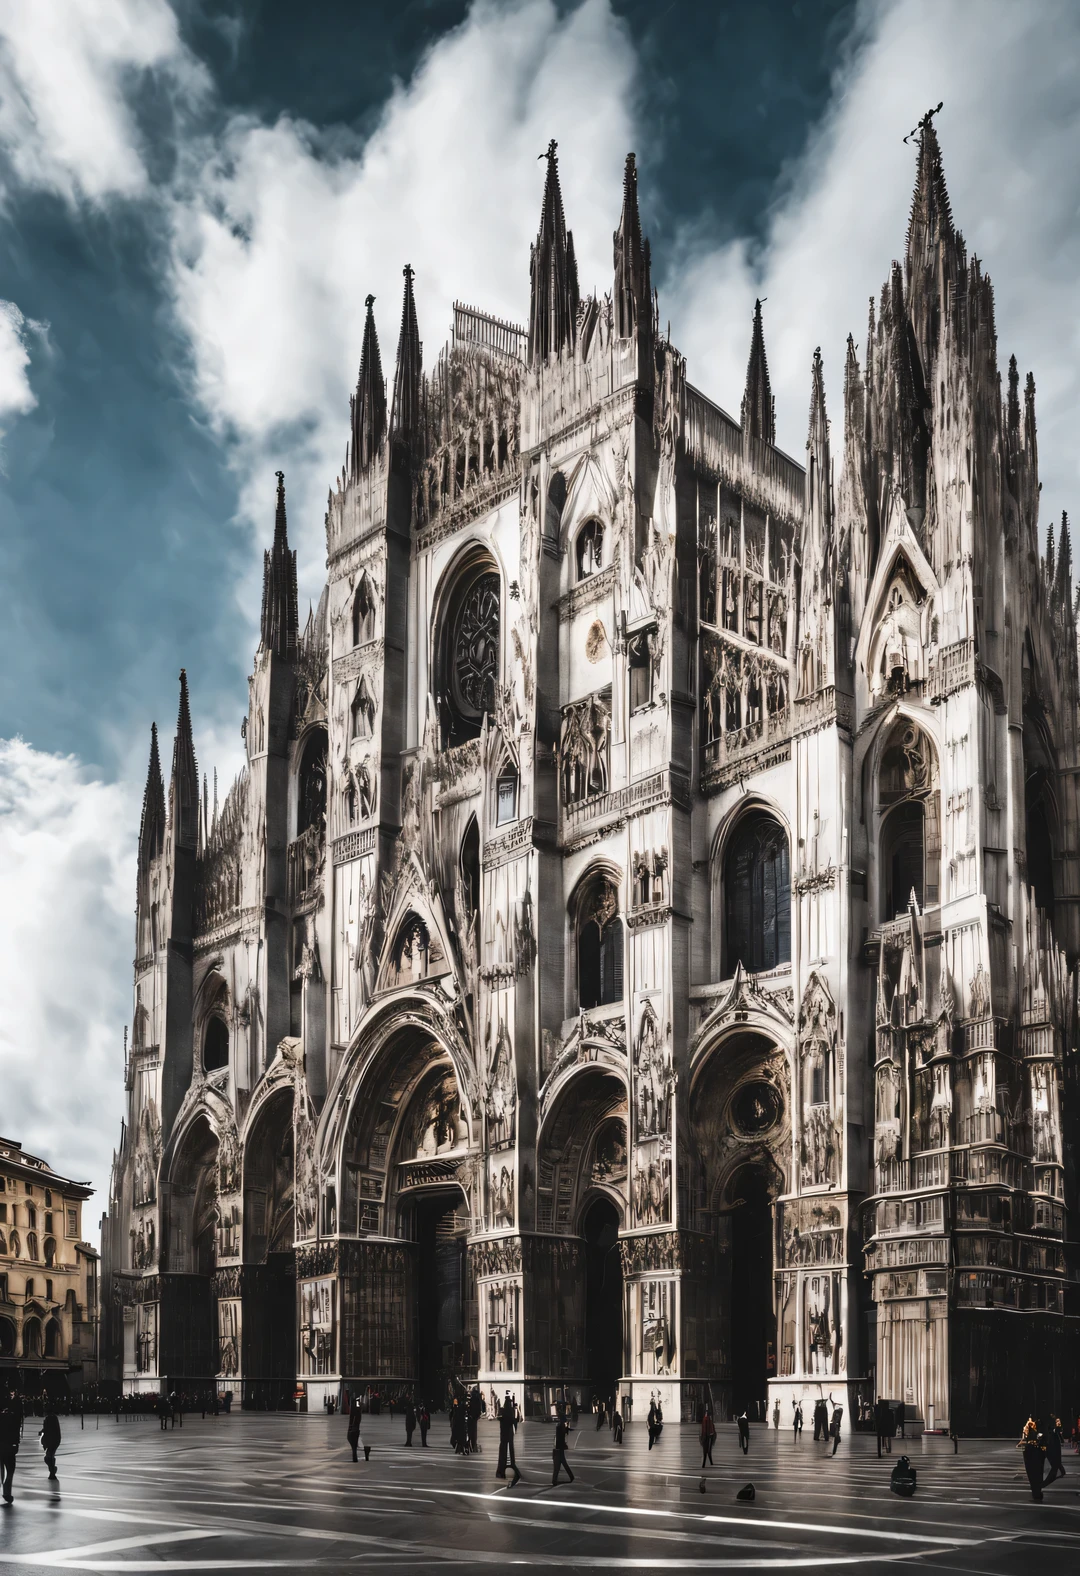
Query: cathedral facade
(639, 952)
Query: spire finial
(554, 284)
(152, 824)
(369, 401)
(405, 412)
(279, 624)
(184, 783)
(632, 293)
(758, 406)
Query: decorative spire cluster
(152, 825)
(280, 619)
(633, 287)
(758, 406)
(553, 271)
(369, 401)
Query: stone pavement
(253, 1492)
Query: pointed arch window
(599, 945)
(215, 1045)
(363, 612)
(757, 895)
(910, 839)
(363, 710)
(469, 861)
(556, 503)
(31, 1245)
(311, 785)
(413, 949)
(589, 549)
(506, 795)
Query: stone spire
(280, 620)
(935, 258)
(369, 402)
(152, 825)
(405, 414)
(184, 783)
(633, 287)
(758, 405)
(553, 271)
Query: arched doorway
(603, 1297)
(753, 1318)
(188, 1334)
(444, 1306)
(268, 1315)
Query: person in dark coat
(50, 1441)
(796, 1422)
(164, 1411)
(558, 1455)
(834, 1427)
(744, 1431)
(708, 1434)
(423, 1417)
(10, 1433)
(616, 1426)
(475, 1406)
(507, 1426)
(821, 1419)
(458, 1436)
(353, 1431)
(655, 1424)
(883, 1422)
(1034, 1451)
(410, 1421)
(1053, 1450)
(601, 1414)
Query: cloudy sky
(196, 197)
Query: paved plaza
(252, 1492)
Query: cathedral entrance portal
(267, 1318)
(603, 1298)
(445, 1314)
(753, 1321)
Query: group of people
(11, 1432)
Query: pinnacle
(758, 406)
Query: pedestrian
(50, 1441)
(164, 1411)
(834, 1426)
(410, 1421)
(458, 1435)
(744, 1431)
(821, 1419)
(353, 1432)
(10, 1432)
(796, 1422)
(655, 1424)
(558, 1455)
(507, 1426)
(616, 1426)
(708, 1434)
(177, 1405)
(1034, 1451)
(883, 1422)
(424, 1419)
(601, 1414)
(1053, 1450)
(776, 1416)
(475, 1407)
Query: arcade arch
(268, 1328)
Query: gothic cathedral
(640, 952)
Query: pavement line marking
(737, 1521)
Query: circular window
(756, 1108)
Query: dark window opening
(903, 857)
(757, 896)
(603, 1299)
(216, 1046)
(590, 549)
(641, 672)
(1040, 846)
(311, 795)
(506, 792)
(470, 870)
(556, 503)
(600, 948)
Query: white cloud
(16, 395)
(1009, 76)
(66, 935)
(281, 234)
(67, 68)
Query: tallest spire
(632, 283)
(184, 784)
(553, 268)
(280, 616)
(405, 416)
(931, 220)
(152, 826)
(758, 406)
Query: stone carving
(817, 1058)
(228, 1339)
(501, 1257)
(503, 1313)
(440, 1127)
(583, 748)
(143, 1245)
(652, 1190)
(980, 993)
(657, 1326)
(147, 1154)
(652, 1080)
(500, 1097)
(502, 1195)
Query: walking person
(821, 1419)
(458, 1436)
(50, 1441)
(744, 1431)
(423, 1417)
(164, 1411)
(776, 1416)
(507, 1426)
(655, 1425)
(558, 1455)
(601, 1414)
(616, 1425)
(708, 1434)
(884, 1424)
(796, 1422)
(1034, 1452)
(475, 1407)
(353, 1432)
(1053, 1450)
(834, 1427)
(410, 1421)
(10, 1433)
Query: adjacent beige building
(48, 1274)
